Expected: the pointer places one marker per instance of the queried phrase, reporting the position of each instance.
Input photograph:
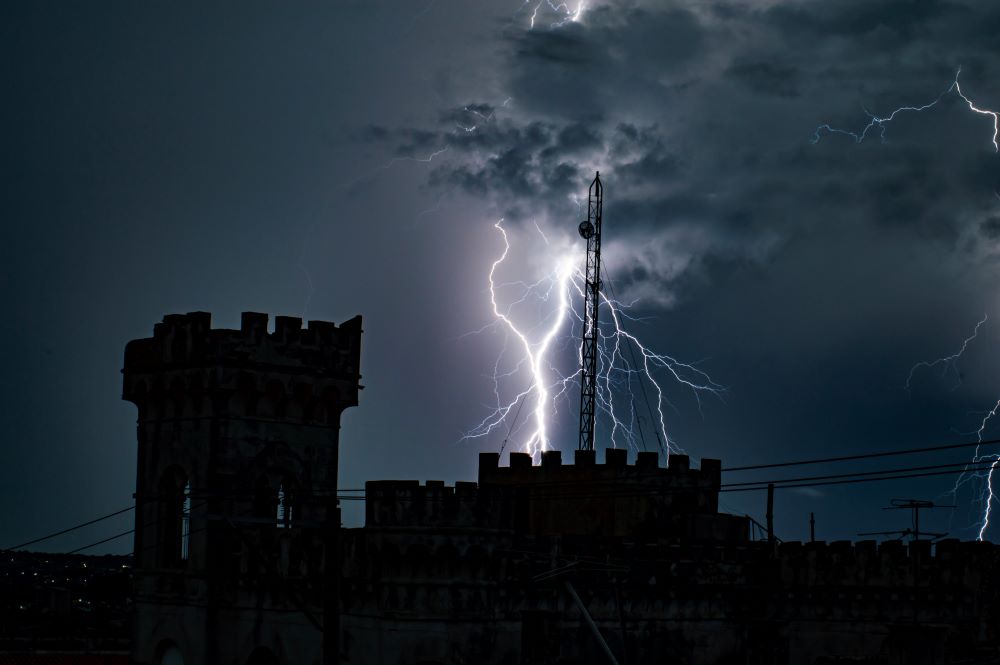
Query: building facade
(240, 557)
(237, 520)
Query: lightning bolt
(546, 344)
(947, 361)
(987, 495)
(561, 10)
(534, 353)
(881, 121)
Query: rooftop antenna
(914, 506)
(590, 230)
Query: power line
(72, 528)
(858, 480)
(847, 458)
(965, 466)
(809, 481)
(788, 483)
(101, 542)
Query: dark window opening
(175, 517)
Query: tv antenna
(914, 506)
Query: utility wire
(863, 477)
(71, 529)
(847, 458)
(778, 483)
(101, 542)
(788, 483)
(110, 538)
(856, 480)
(810, 481)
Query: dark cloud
(716, 107)
(990, 228)
(308, 156)
(766, 78)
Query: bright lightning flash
(564, 14)
(552, 341)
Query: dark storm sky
(263, 156)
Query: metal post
(812, 527)
(590, 622)
(770, 512)
(331, 585)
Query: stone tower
(237, 518)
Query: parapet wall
(678, 473)
(189, 369)
(391, 503)
(188, 340)
(613, 499)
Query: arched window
(174, 519)
(288, 505)
(169, 654)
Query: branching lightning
(947, 362)
(881, 121)
(987, 495)
(549, 345)
(561, 10)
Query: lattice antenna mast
(590, 229)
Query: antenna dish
(586, 229)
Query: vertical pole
(331, 586)
(770, 512)
(590, 622)
(916, 523)
(812, 527)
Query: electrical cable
(847, 458)
(70, 529)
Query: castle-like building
(240, 557)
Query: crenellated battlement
(188, 369)
(189, 340)
(610, 499)
(678, 473)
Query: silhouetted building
(240, 560)
(238, 434)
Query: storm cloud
(354, 157)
